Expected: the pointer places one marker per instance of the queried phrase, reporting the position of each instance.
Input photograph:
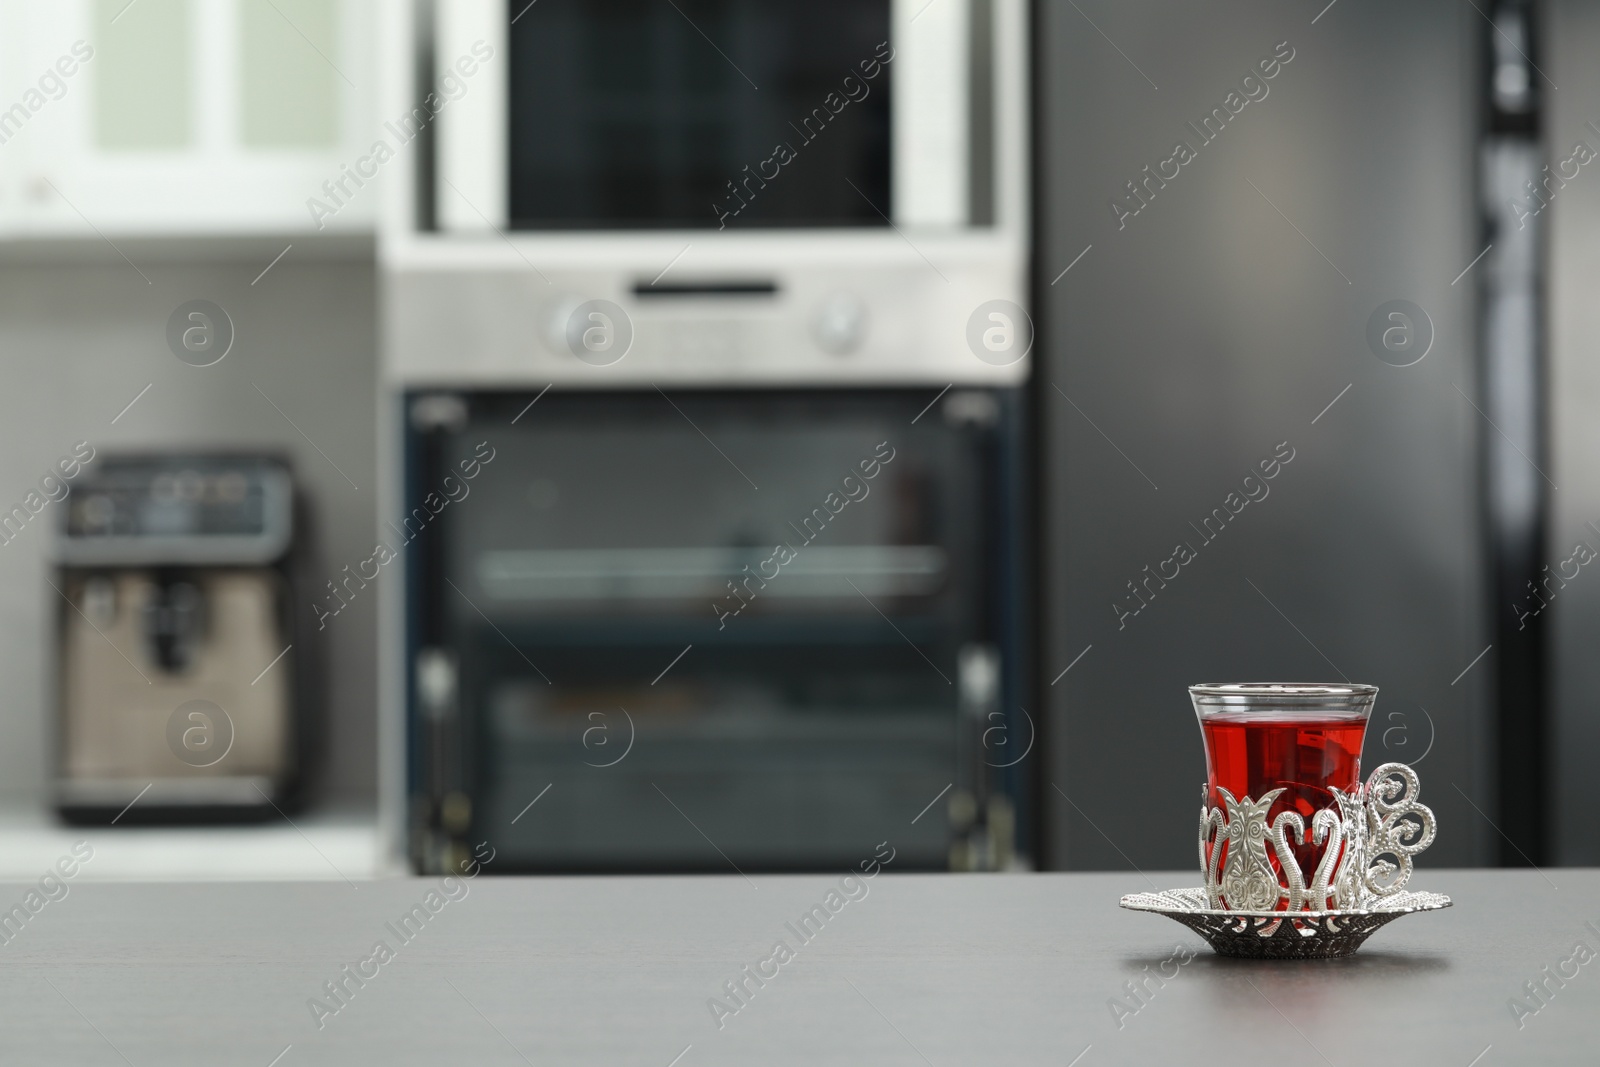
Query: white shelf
(319, 847)
(187, 250)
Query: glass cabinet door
(184, 116)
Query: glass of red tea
(1294, 742)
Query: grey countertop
(916, 970)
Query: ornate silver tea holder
(1358, 886)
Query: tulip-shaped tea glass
(1274, 748)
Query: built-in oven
(703, 630)
(727, 294)
(780, 191)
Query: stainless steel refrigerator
(1571, 34)
(1251, 468)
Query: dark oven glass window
(695, 113)
(637, 625)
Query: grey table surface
(921, 970)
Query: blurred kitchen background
(983, 658)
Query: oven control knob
(554, 314)
(840, 324)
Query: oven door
(713, 114)
(700, 630)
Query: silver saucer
(1298, 935)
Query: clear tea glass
(1302, 741)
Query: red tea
(1304, 755)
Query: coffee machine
(182, 686)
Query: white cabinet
(184, 117)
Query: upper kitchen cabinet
(184, 117)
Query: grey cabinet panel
(1214, 328)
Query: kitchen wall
(83, 333)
